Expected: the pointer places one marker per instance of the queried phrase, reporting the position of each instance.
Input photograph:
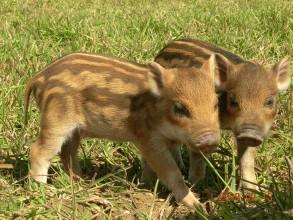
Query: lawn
(34, 33)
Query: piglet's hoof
(193, 203)
(39, 178)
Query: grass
(33, 33)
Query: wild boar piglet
(248, 103)
(86, 95)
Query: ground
(34, 33)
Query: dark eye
(233, 102)
(269, 102)
(180, 110)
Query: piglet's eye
(233, 102)
(269, 102)
(180, 110)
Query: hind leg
(49, 143)
(42, 151)
(56, 129)
(69, 152)
(148, 176)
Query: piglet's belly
(114, 134)
(110, 123)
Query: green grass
(33, 33)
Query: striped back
(191, 52)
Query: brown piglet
(86, 95)
(248, 103)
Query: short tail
(27, 94)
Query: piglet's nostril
(250, 135)
(208, 139)
(249, 141)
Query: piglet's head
(250, 97)
(189, 103)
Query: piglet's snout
(208, 141)
(249, 135)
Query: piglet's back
(80, 71)
(91, 89)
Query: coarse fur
(248, 103)
(85, 95)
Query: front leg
(197, 167)
(160, 160)
(149, 177)
(176, 152)
(246, 157)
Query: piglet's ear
(219, 67)
(209, 67)
(224, 70)
(157, 78)
(281, 71)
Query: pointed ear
(208, 66)
(224, 68)
(156, 78)
(282, 72)
(219, 67)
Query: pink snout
(249, 135)
(207, 142)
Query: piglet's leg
(148, 175)
(197, 167)
(177, 155)
(69, 153)
(55, 131)
(247, 156)
(42, 151)
(159, 158)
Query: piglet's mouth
(249, 137)
(206, 142)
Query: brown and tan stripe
(80, 62)
(193, 50)
(128, 65)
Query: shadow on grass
(97, 169)
(123, 173)
(19, 170)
